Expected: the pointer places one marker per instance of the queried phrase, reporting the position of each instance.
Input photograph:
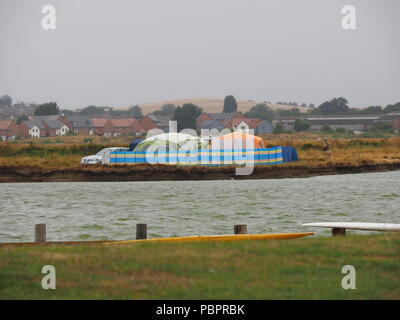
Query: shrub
(340, 130)
(279, 128)
(366, 142)
(381, 128)
(301, 125)
(326, 129)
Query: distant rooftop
(4, 124)
(31, 123)
(54, 124)
(222, 116)
(81, 121)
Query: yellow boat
(221, 238)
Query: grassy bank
(66, 154)
(284, 269)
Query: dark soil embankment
(164, 172)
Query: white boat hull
(356, 226)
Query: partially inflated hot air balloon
(238, 140)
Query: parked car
(99, 156)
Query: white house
(33, 128)
(242, 126)
(56, 128)
(34, 132)
(62, 131)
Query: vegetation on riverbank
(285, 269)
(66, 152)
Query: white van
(102, 156)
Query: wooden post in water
(40, 232)
(141, 231)
(338, 232)
(240, 228)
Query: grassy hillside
(284, 269)
(210, 105)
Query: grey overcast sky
(125, 52)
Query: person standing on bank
(326, 149)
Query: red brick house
(57, 117)
(32, 128)
(126, 126)
(234, 123)
(152, 122)
(55, 128)
(81, 125)
(8, 129)
(205, 116)
(258, 125)
(102, 127)
(147, 123)
(55, 125)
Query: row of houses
(113, 127)
(233, 121)
(359, 123)
(59, 125)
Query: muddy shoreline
(164, 173)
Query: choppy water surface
(94, 211)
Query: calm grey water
(94, 211)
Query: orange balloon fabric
(239, 139)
